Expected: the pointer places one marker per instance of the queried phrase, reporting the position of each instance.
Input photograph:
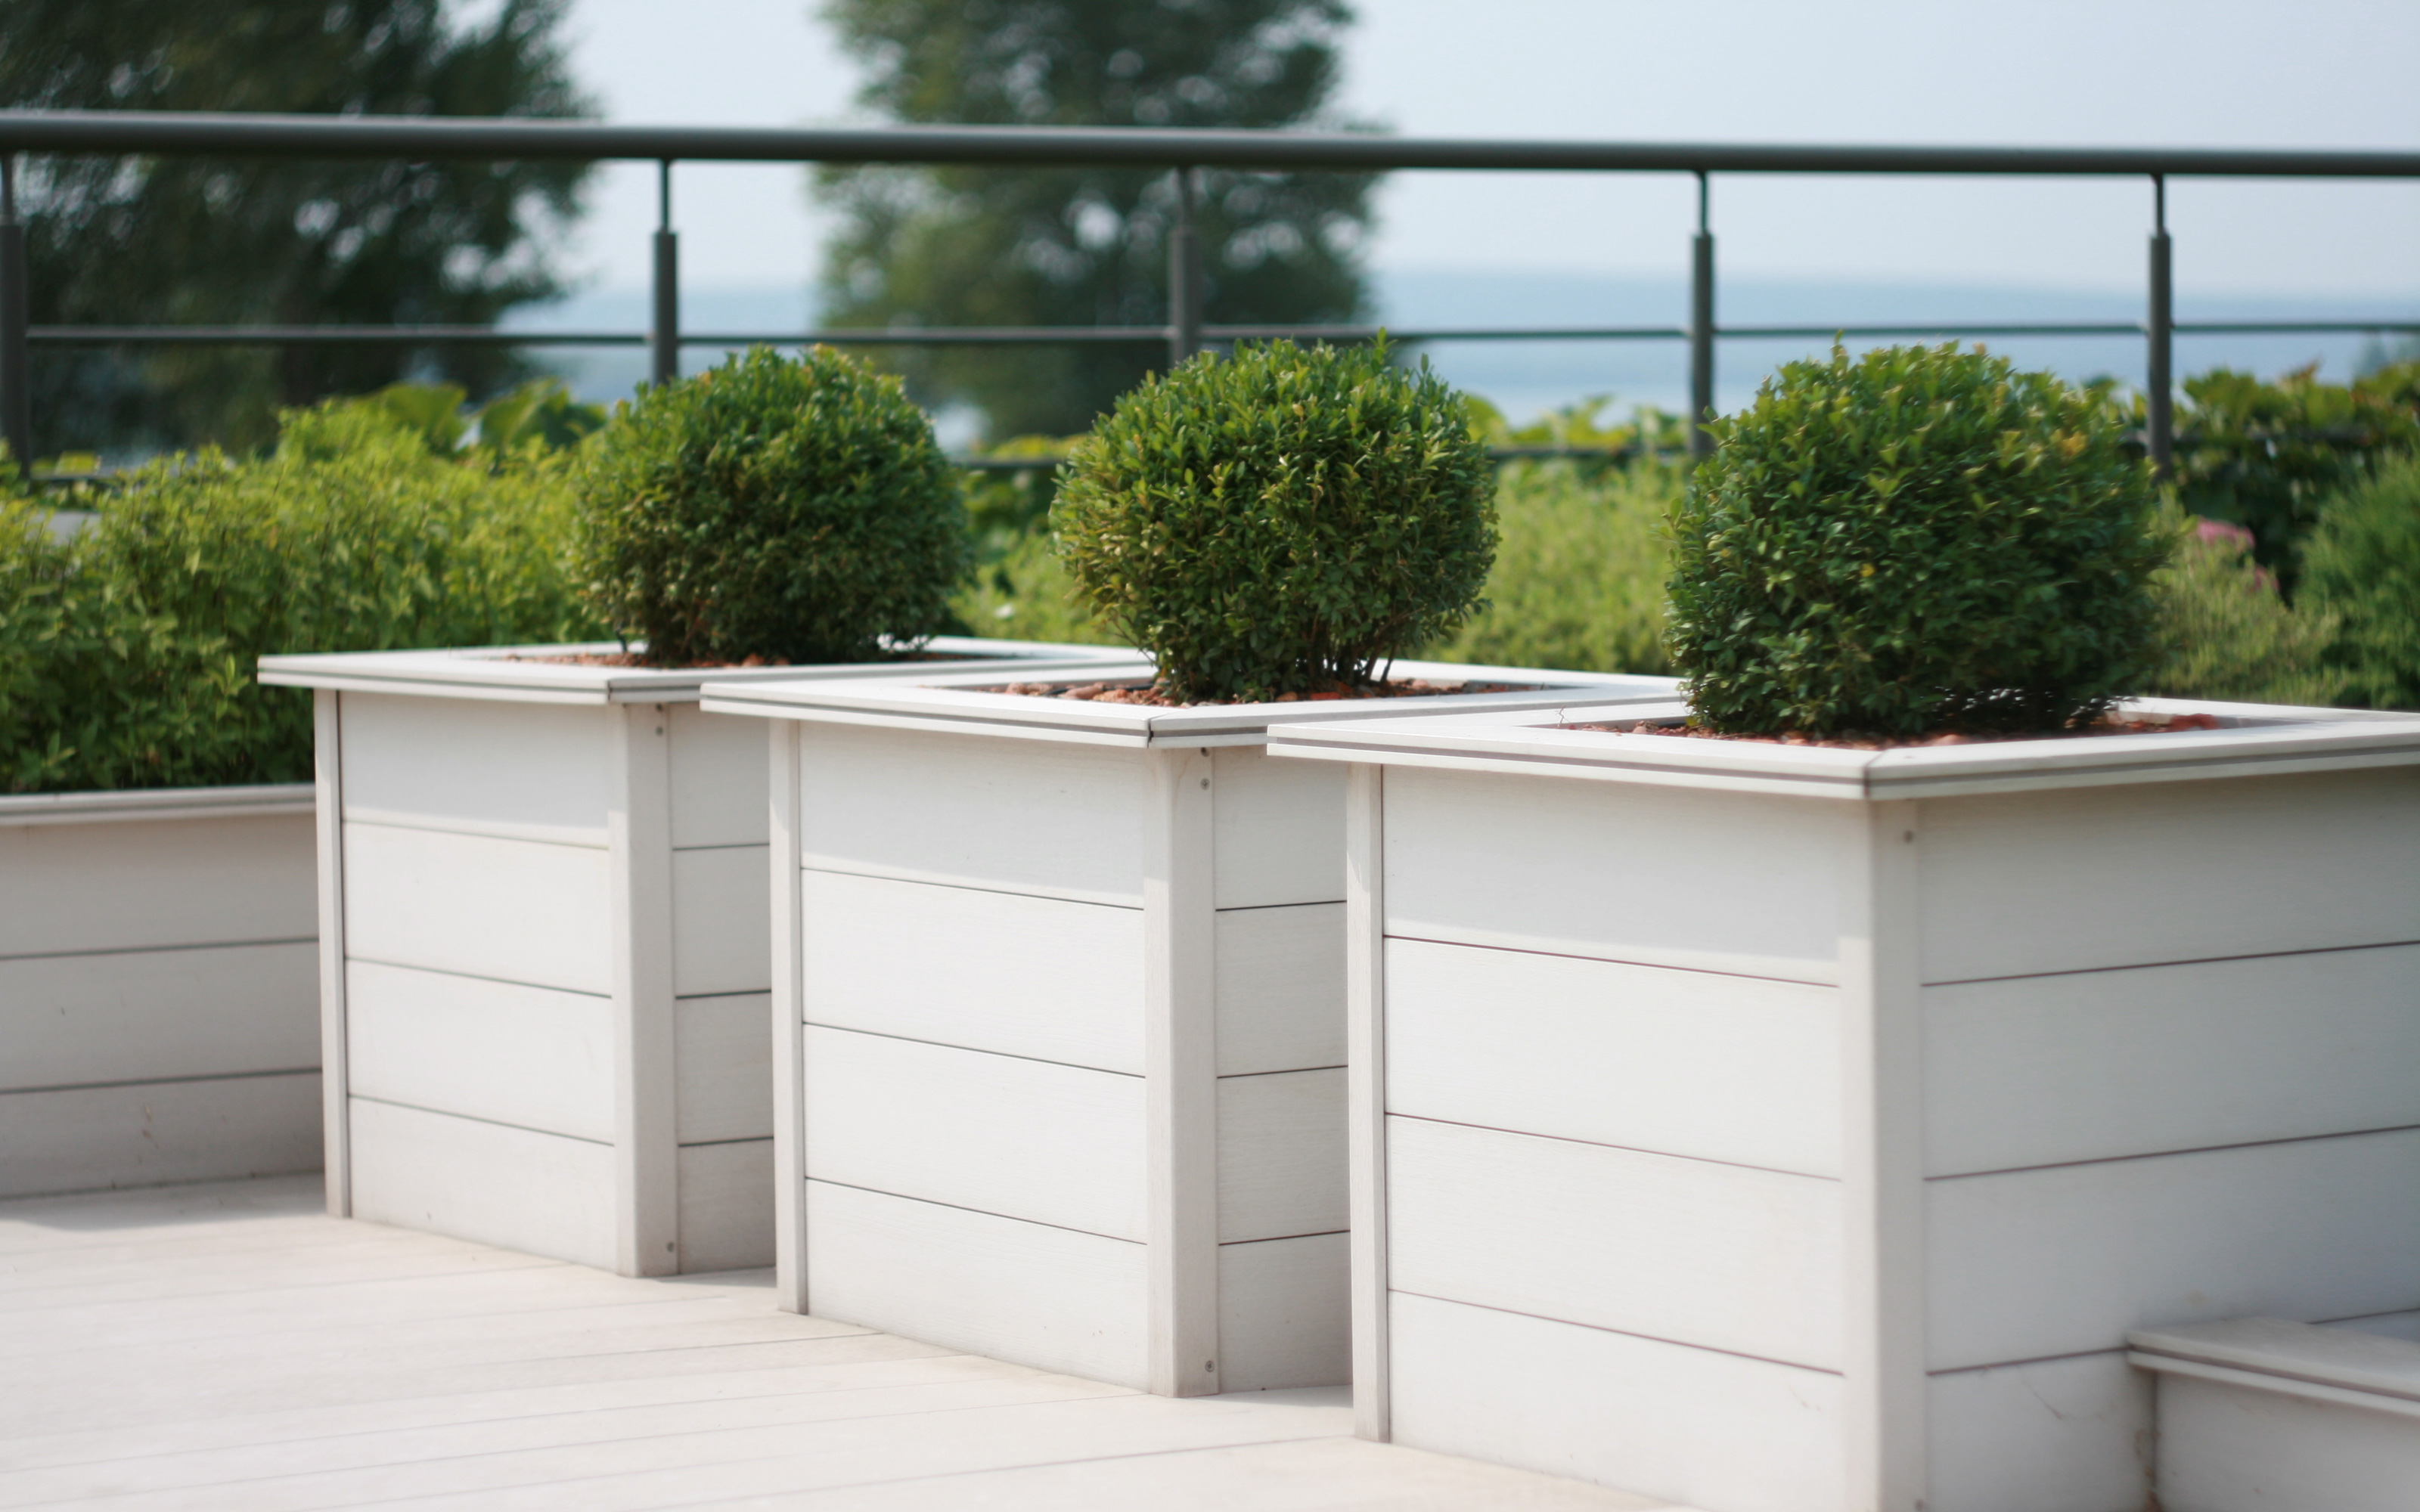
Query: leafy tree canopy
(991, 246)
(185, 240)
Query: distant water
(1527, 378)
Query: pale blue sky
(2195, 72)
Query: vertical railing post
(1184, 276)
(663, 337)
(16, 400)
(2159, 379)
(1701, 334)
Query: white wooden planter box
(1061, 988)
(2260, 1414)
(543, 953)
(159, 1003)
(1779, 1129)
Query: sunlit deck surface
(228, 1345)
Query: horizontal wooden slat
(1045, 817)
(1699, 1253)
(1280, 1154)
(723, 939)
(718, 766)
(1695, 1427)
(2097, 877)
(1620, 872)
(2051, 1433)
(1024, 1292)
(2034, 1071)
(726, 1205)
(1021, 1138)
(541, 1193)
(724, 1051)
(1280, 979)
(1039, 977)
(149, 1015)
(477, 766)
(153, 1133)
(2066, 1259)
(1278, 829)
(513, 910)
(1285, 1313)
(142, 884)
(1739, 1069)
(533, 1056)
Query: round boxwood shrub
(1279, 520)
(793, 510)
(1921, 539)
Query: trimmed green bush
(2225, 632)
(796, 510)
(2363, 565)
(126, 650)
(1280, 520)
(1917, 539)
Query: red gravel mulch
(1401, 688)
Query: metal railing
(1183, 152)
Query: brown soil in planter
(1947, 738)
(631, 658)
(1138, 693)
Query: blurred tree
(1082, 246)
(185, 240)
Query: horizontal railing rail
(1180, 151)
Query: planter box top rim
(2253, 739)
(490, 672)
(20, 810)
(958, 701)
(2341, 1358)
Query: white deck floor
(229, 1347)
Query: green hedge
(127, 652)
(2362, 565)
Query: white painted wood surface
(534, 1056)
(1053, 1298)
(1522, 864)
(721, 918)
(1281, 1168)
(517, 771)
(1039, 817)
(2076, 881)
(2022, 1264)
(359, 1364)
(143, 1134)
(328, 857)
(2039, 1071)
(214, 881)
(994, 1133)
(2072, 1432)
(717, 777)
(1737, 1069)
(514, 910)
(1280, 975)
(643, 890)
(1036, 977)
(2258, 1414)
(158, 995)
(539, 1192)
(784, 864)
(1365, 1098)
(157, 1015)
(1283, 1316)
(726, 1067)
(1707, 1429)
(1279, 831)
(1693, 1252)
(1180, 1142)
(726, 1219)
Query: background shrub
(796, 510)
(1922, 538)
(1279, 520)
(2362, 565)
(127, 652)
(2225, 632)
(1578, 582)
